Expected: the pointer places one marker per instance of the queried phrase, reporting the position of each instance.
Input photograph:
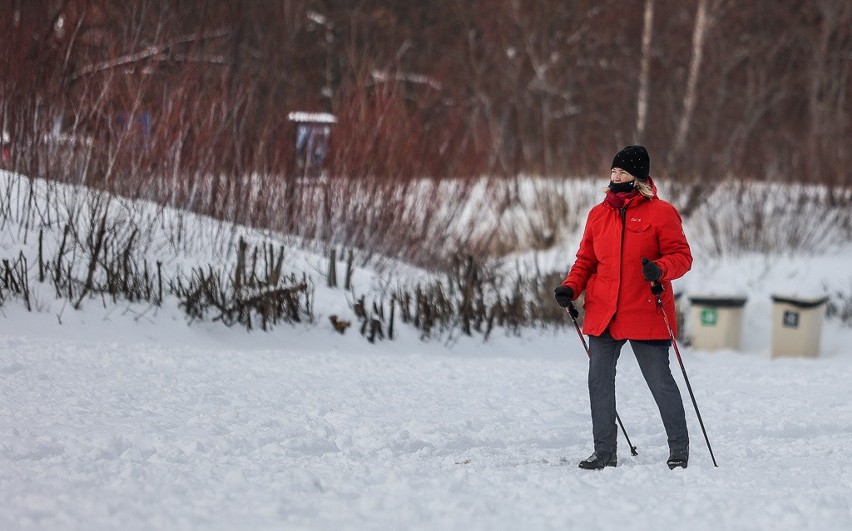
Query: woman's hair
(644, 188)
(641, 186)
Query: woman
(630, 225)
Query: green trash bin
(796, 326)
(716, 322)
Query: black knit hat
(634, 160)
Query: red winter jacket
(609, 268)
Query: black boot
(678, 458)
(599, 460)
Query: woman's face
(617, 175)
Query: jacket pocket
(637, 226)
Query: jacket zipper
(623, 212)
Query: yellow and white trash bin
(716, 322)
(797, 325)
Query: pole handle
(572, 310)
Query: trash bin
(716, 322)
(796, 326)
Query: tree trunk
(702, 22)
(642, 98)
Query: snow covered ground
(111, 423)
(124, 417)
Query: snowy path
(113, 436)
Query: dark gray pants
(653, 358)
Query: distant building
(313, 131)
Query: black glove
(651, 271)
(563, 295)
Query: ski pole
(572, 311)
(657, 290)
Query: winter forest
(748, 89)
(180, 103)
(290, 264)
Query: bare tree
(703, 21)
(828, 91)
(645, 72)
